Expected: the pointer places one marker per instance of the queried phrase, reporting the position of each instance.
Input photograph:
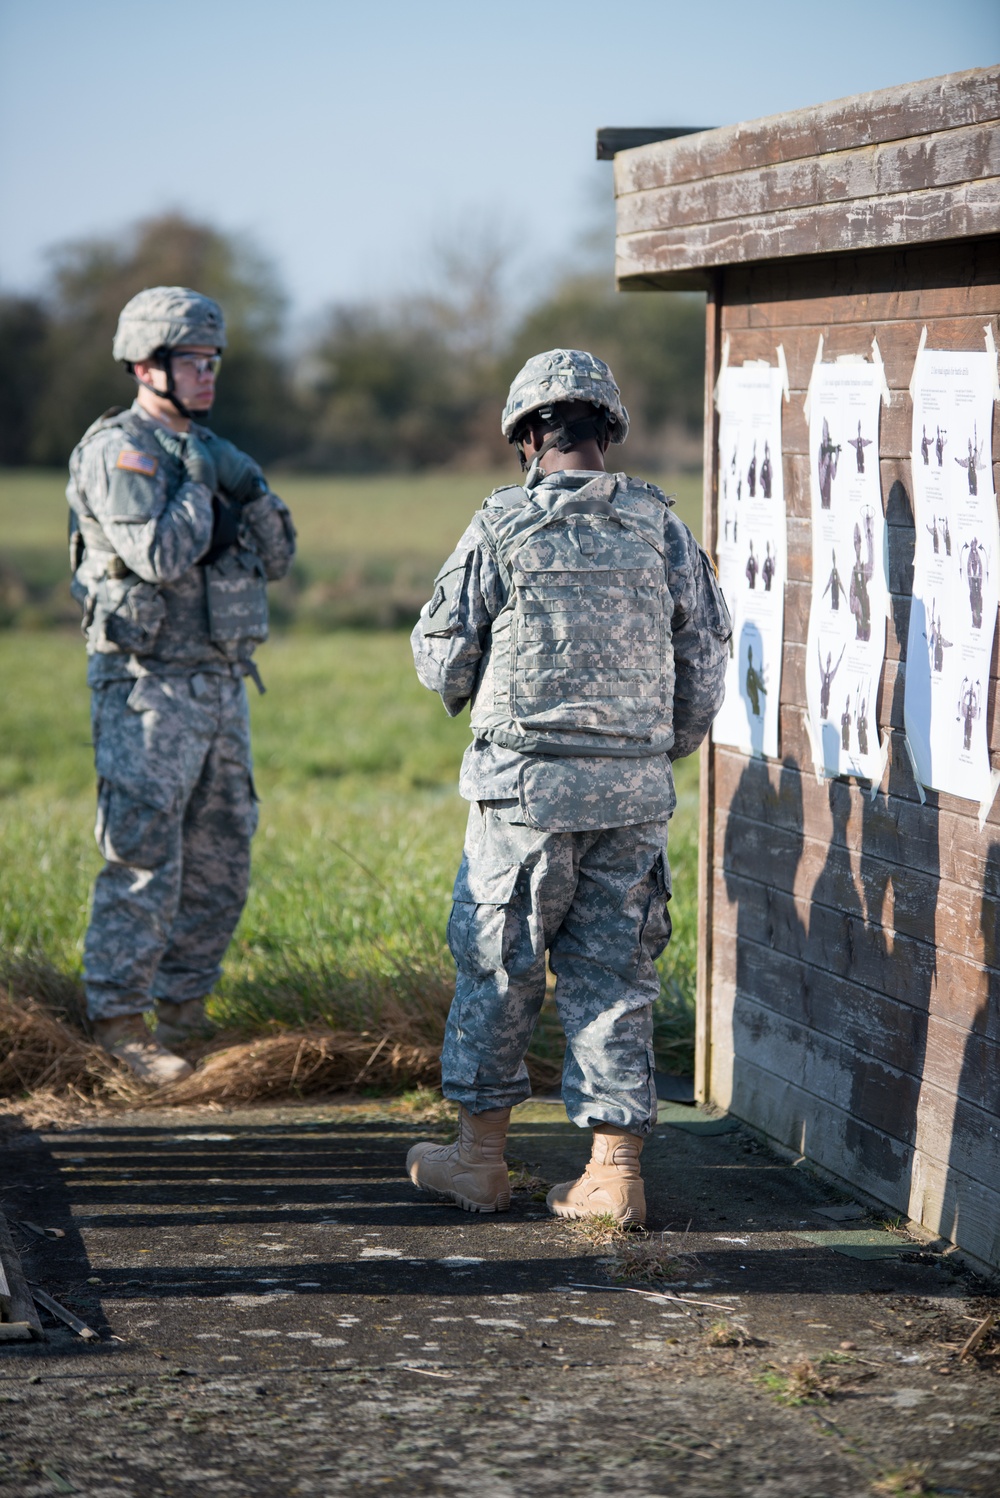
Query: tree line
(402, 384)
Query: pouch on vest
(126, 616)
(236, 593)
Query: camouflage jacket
(451, 647)
(140, 534)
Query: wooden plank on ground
(19, 1305)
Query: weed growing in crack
(724, 1333)
(523, 1178)
(802, 1383)
(908, 1481)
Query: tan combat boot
(178, 1023)
(128, 1039)
(611, 1184)
(471, 1172)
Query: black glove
(225, 528)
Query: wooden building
(849, 986)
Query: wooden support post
(706, 815)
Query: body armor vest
(580, 660)
(122, 615)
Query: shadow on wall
(979, 1084)
(833, 989)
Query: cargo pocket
(132, 831)
(484, 928)
(138, 790)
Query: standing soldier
(585, 625)
(175, 534)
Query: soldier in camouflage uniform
(174, 535)
(585, 626)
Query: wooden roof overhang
(912, 165)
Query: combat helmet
(166, 317)
(163, 318)
(564, 374)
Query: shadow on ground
(280, 1313)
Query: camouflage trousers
(176, 810)
(597, 902)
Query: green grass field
(356, 764)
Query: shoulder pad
(115, 418)
(506, 495)
(649, 491)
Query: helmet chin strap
(565, 436)
(534, 473)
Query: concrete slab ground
(280, 1313)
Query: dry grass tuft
(802, 1383)
(54, 1071)
(298, 1062)
(723, 1333)
(908, 1481)
(649, 1258)
(600, 1231)
(636, 1255)
(47, 1058)
(523, 1178)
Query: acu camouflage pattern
(453, 649)
(564, 374)
(597, 902)
(176, 808)
(175, 814)
(167, 317)
(158, 524)
(579, 661)
(565, 853)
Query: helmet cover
(564, 374)
(167, 317)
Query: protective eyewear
(201, 364)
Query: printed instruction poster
(955, 572)
(752, 552)
(850, 592)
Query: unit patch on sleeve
(136, 462)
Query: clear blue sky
(346, 137)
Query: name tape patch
(135, 462)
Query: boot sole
(457, 1200)
(631, 1219)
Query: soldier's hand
(199, 464)
(239, 475)
(225, 528)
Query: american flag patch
(134, 462)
